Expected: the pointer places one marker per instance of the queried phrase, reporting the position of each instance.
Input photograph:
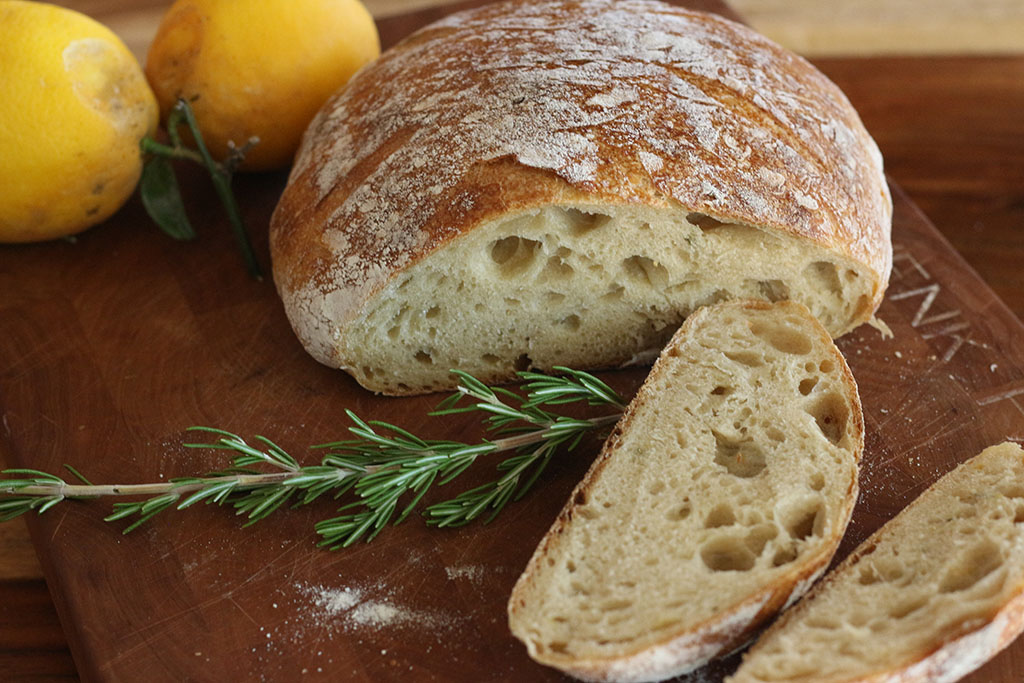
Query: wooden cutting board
(114, 343)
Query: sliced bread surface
(931, 596)
(721, 495)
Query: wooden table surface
(947, 120)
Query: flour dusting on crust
(624, 100)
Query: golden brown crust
(528, 104)
(735, 625)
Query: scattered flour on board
(349, 609)
(472, 573)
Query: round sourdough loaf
(545, 183)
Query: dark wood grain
(113, 344)
(952, 134)
(32, 644)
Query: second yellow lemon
(258, 68)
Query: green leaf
(162, 198)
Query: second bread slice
(720, 496)
(930, 596)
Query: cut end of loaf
(724, 490)
(931, 596)
(528, 184)
(583, 286)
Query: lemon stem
(221, 177)
(151, 146)
(220, 173)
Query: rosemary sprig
(385, 469)
(161, 195)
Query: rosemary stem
(512, 442)
(96, 491)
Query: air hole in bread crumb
(1011, 490)
(394, 331)
(823, 276)
(826, 366)
(720, 515)
(703, 221)
(826, 623)
(554, 297)
(782, 338)
(804, 520)
(582, 222)
(1018, 516)
(903, 608)
(868, 576)
(807, 385)
(614, 293)
(514, 254)
(817, 481)
(424, 357)
(656, 488)
(555, 269)
(645, 271)
(773, 290)
(891, 570)
(616, 605)
(743, 460)
(490, 359)
(727, 554)
(665, 624)
(758, 537)
(748, 358)
(784, 556)
(721, 391)
(830, 414)
(432, 312)
(680, 512)
(775, 434)
(571, 321)
(971, 567)
(522, 363)
(558, 647)
(570, 566)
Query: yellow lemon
(73, 106)
(258, 69)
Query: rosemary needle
(383, 472)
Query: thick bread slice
(550, 182)
(931, 596)
(719, 498)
